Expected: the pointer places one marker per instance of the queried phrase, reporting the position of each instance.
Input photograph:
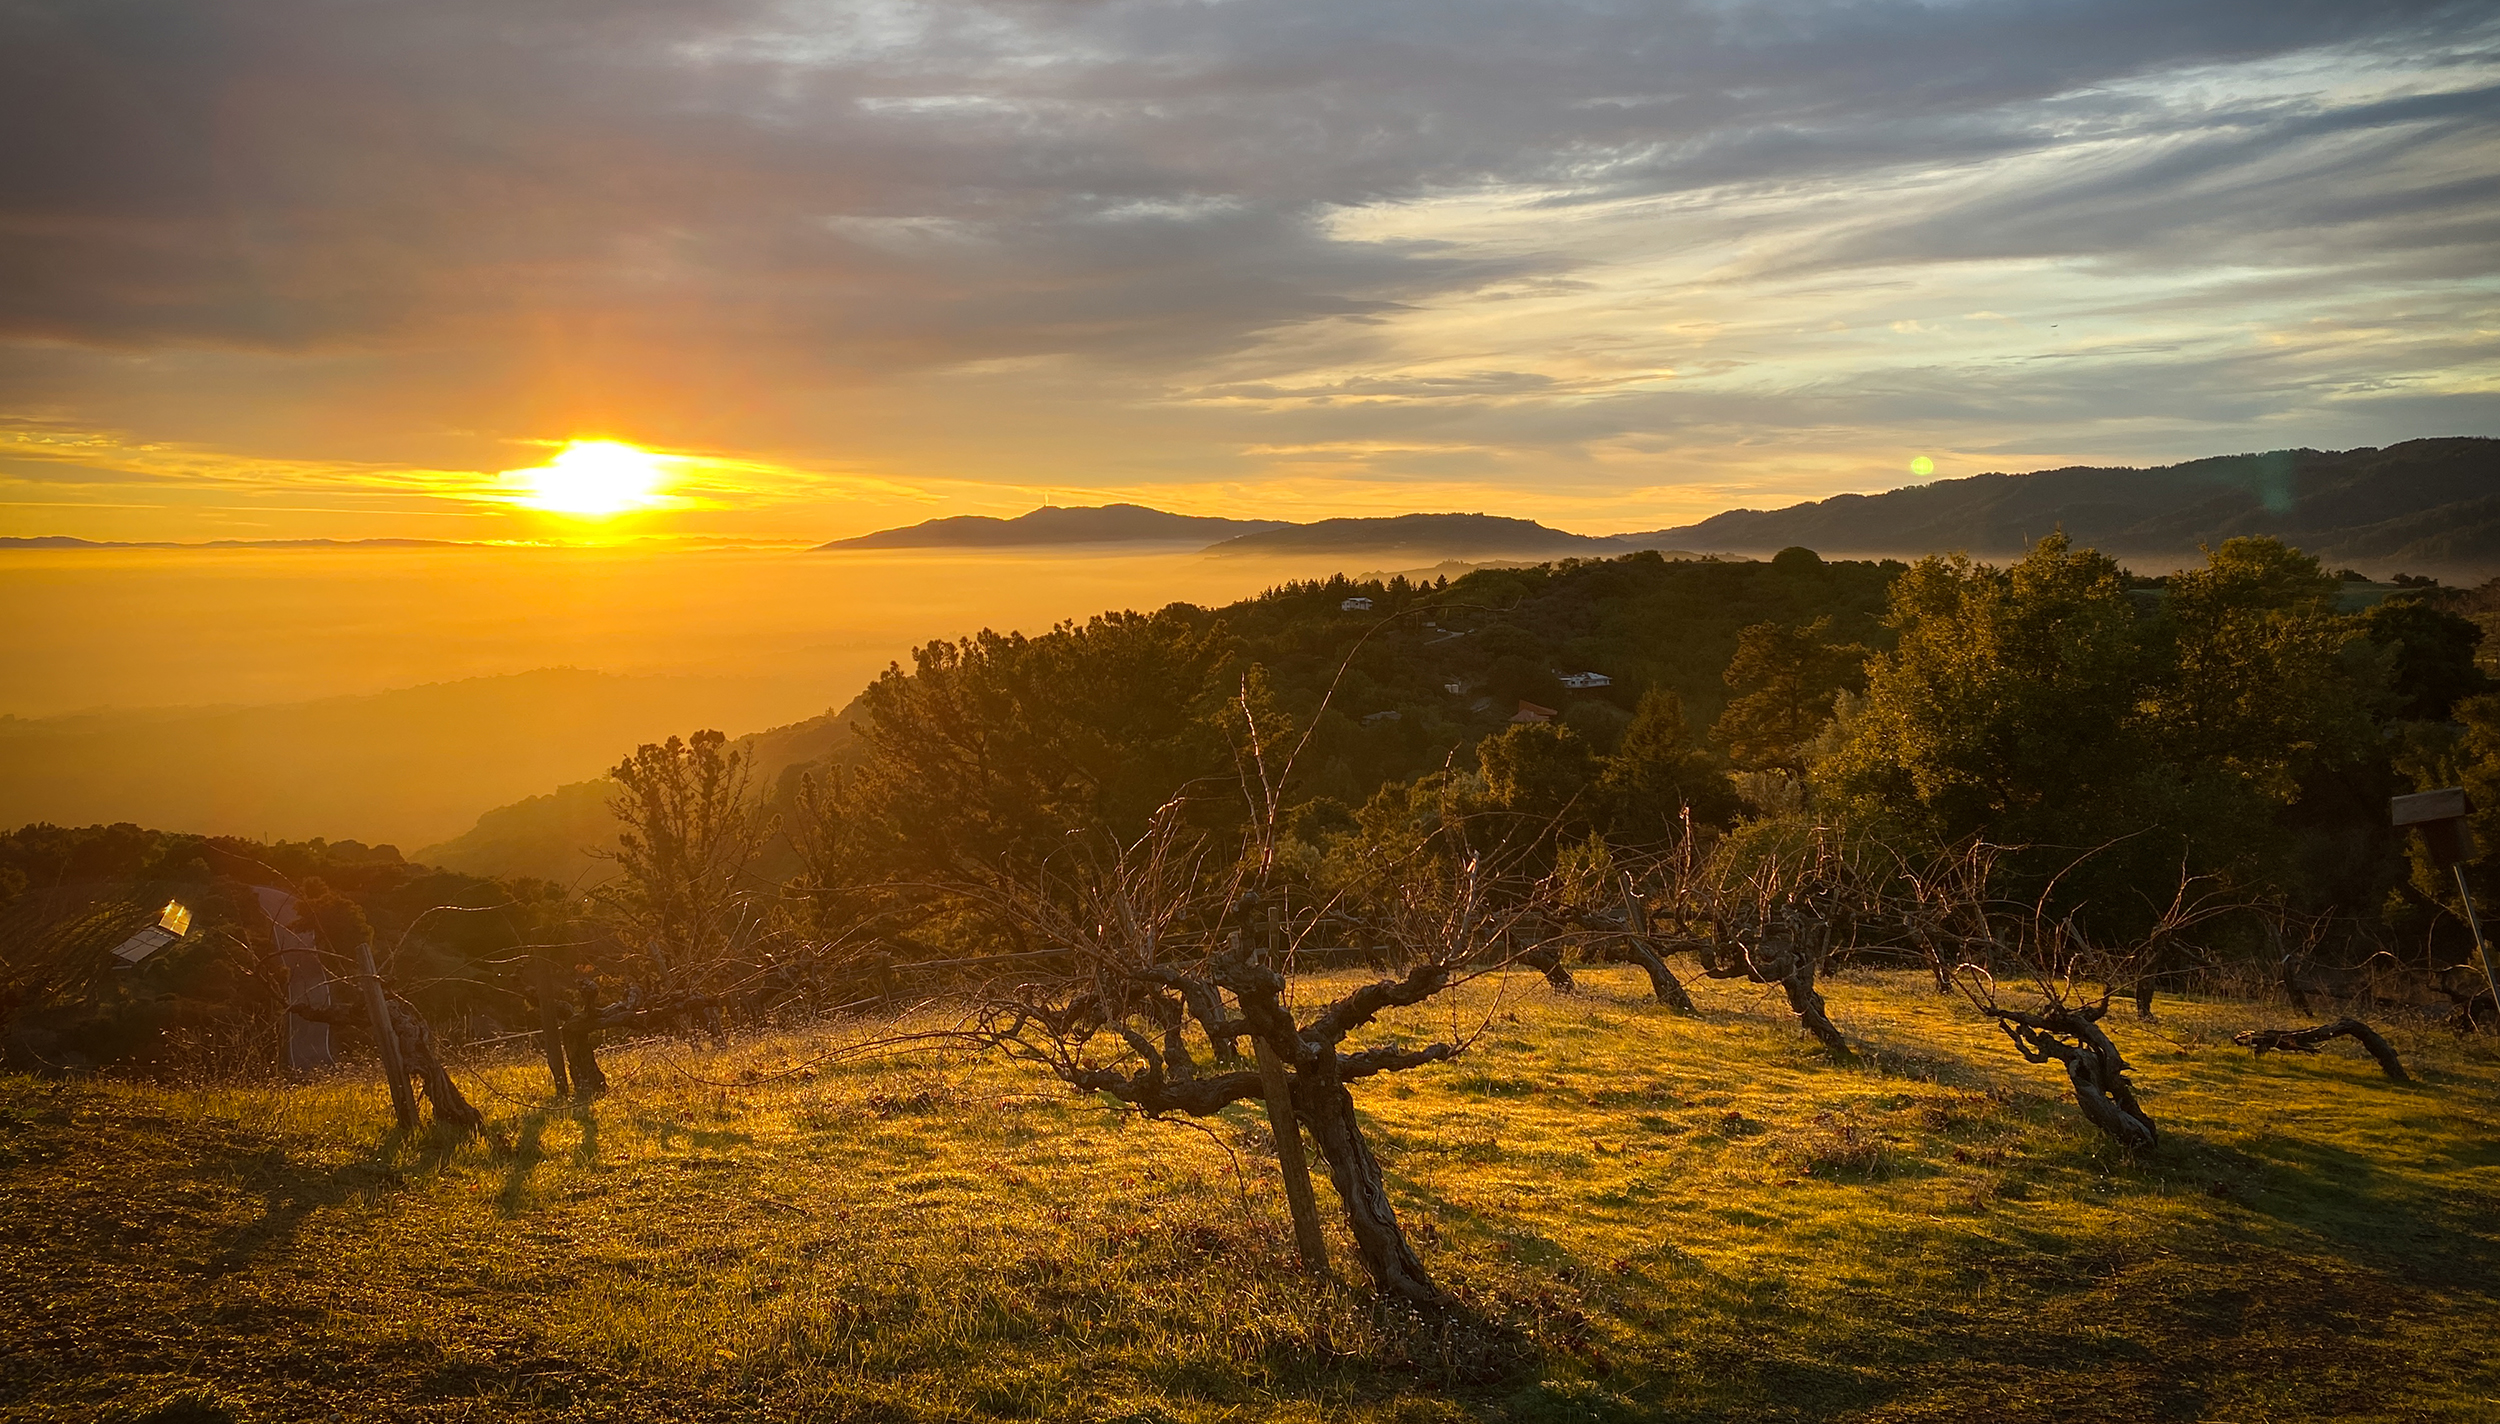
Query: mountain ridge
(1054, 525)
(1434, 536)
(2431, 501)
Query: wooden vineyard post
(386, 1039)
(1299, 1201)
(550, 1023)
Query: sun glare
(595, 479)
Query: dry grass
(1648, 1216)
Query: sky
(296, 268)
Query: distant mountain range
(2430, 505)
(63, 541)
(2424, 504)
(1423, 536)
(1055, 525)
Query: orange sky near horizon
(699, 496)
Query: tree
(1515, 678)
(686, 835)
(1786, 678)
(338, 925)
(1656, 774)
(992, 746)
(1154, 941)
(2222, 726)
(2431, 657)
(2253, 671)
(2008, 706)
(1537, 769)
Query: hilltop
(1423, 537)
(2423, 504)
(1052, 524)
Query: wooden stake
(551, 1023)
(1300, 1202)
(1307, 1242)
(386, 1038)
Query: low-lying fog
(235, 690)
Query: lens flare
(595, 479)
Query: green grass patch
(1648, 1216)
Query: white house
(1356, 605)
(1583, 681)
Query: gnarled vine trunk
(2092, 1064)
(1776, 958)
(1328, 1111)
(2306, 1040)
(416, 1051)
(1663, 985)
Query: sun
(596, 479)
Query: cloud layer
(1611, 264)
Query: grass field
(1647, 1216)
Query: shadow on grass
(667, 1132)
(1523, 1286)
(2350, 1205)
(527, 1150)
(290, 1192)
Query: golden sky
(306, 270)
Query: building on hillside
(1376, 718)
(1583, 681)
(1531, 713)
(1356, 605)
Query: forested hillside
(2423, 505)
(1372, 687)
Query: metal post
(551, 1023)
(2474, 922)
(386, 1038)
